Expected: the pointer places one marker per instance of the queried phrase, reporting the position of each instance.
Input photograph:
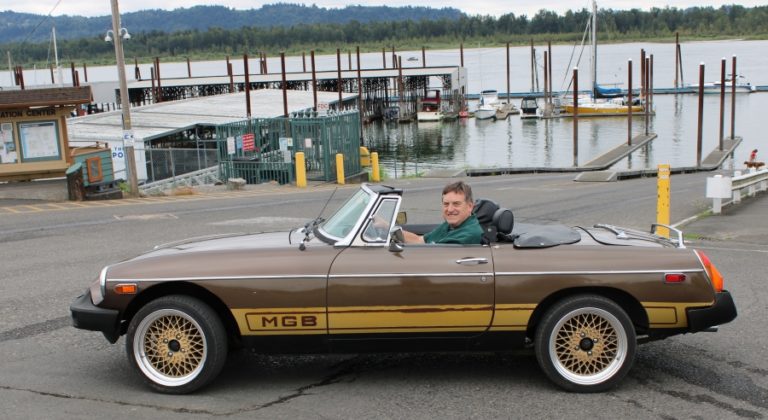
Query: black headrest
(504, 221)
(484, 210)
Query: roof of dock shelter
(161, 119)
(296, 76)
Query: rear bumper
(723, 311)
(87, 316)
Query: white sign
(286, 143)
(231, 145)
(128, 138)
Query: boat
(601, 101)
(430, 107)
(529, 107)
(486, 108)
(505, 109)
(716, 87)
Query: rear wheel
(586, 344)
(177, 343)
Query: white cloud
(474, 7)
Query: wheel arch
(626, 301)
(185, 289)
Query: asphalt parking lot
(51, 370)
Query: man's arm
(412, 238)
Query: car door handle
(472, 261)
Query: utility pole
(124, 103)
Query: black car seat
(497, 222)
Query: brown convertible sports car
(581, 298)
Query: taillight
(714, 274)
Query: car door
(423, 291)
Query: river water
(410, 148)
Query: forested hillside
(16, 27)
(447, 27)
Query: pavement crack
(181, 410)
(345, 368)
(36, 329)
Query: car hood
(229, 242)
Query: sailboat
(602, 101)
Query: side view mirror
(397, 239)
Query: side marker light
(126, 289)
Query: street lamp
(125, 105)
(123, 34)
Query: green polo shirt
(468, 232)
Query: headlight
(99, 287)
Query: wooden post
(533, 66)
(314, 80)
(360, 100)
(189, 69)
(549, 69)
(701, 115)
(338, 75)
(677, 58)
(247, 87)
(575, 116)
(629, 99)
(383, 58)
(722, 103)
(284, 85)
(508, 100)
(85, 72)
(461, 54)
(546, 86)
(303, 62)
(733, 99)
(646, 84)
(423, 57)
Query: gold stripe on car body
(512, 317)
(415, 318)
(670, 314)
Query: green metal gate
(276, 141)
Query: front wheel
(585, 344)
(177, 343)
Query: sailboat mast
(56, 56)
(594, 49)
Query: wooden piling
(189, 69)
(338, 75)
(508, 100)
(722, 104)
(677, 58)
(701, 115)
(247, 75)
(629, 99)
(575, 114)
(284, 85)
(733, 99)
(461, 54)
(85, 72)
(314, 80)
(423, 57)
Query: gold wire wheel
(170, 347)
(588, 346)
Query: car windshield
(345, 218)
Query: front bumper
(87, 316)
(723, 311)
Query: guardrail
(723, 187)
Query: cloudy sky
(472, 7)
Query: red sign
(249, 143)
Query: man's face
(456, 209)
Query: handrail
(722, 187)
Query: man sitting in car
(460, 225)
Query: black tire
(177, 343)
(585, 344)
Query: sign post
(662, 206)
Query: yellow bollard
(301, 170)
(339, 168)
(662, 203)
(365, 157)
(375, 175)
